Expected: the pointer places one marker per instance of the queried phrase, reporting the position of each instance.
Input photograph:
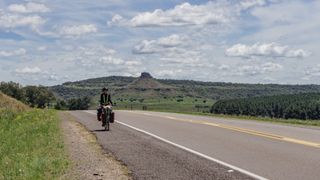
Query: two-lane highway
(254, 149)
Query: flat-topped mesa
(145, 75)
(146, 81)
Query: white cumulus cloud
(111, 60)
(78, 30)
(246, 4)
(162, 44)
(42, 48)
(180, 15)
(15, 20)
(266, 50)
(17, 52)
(224, 67)
(257, 69)
(28, 70)
(173, 49)
(100, 57)
(312, 72)
(133, 63)
(271, 67)
(29, 7)
(168, 73)
(212, 12)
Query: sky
(243, 41)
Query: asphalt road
(174, 146)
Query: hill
(147, 87)
(146, 81)
(9, 103)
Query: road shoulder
(89, 160)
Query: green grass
(31, 145)
(168, 104)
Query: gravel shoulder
(88, 160)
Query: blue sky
(248, 41)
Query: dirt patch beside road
(89, 160)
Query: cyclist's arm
(110, 101)
(101, 100)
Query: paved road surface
(252, 149)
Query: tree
(297, 106)
(38, 96)
(34, 96)
(12, 89)
(79, 103)
(179, 100)
(61, 104)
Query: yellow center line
(238, 129)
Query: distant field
(188, 106)
(168, 104)
(31, 143)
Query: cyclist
(105, 100)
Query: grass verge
(31, 145)
(7, 102)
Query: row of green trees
(34, 96)
(73, 104)
(295, 106)
(41, 97)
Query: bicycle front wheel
(107, 126)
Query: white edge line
(193, 151)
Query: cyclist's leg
(108, 113)
(104, 117)
(99, 112)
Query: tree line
(42, 97)
(296, 106)
(73, 104)
(34, 96)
